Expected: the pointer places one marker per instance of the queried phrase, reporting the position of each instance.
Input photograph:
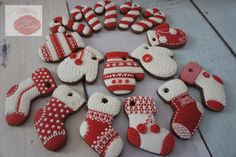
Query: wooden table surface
(211, 42)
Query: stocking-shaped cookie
(83, 63)
(97, 128)
(49, 120)
(60, 45)
(143, 132)
(156, 60)
(168, 37)
(121, 72)
(187, 111)
(19, 96)
(211, 86)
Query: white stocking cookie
(83, 63)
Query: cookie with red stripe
(121, 72)
(168, 37)
(60, 45)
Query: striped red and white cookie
(131, 12)
(168, 37)
(76, 13)
(60, 45)
(110, 10)
(152, 17)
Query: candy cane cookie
(152, 17)
(109, 8)
(131, 12)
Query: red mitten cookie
(121, 72)
(187, 111)
(131, 12)
(83, 63)
(108, 8)
(49, 120)
(156, 60)
(19, 97)
(211, 86)
(152, 17)
(165, 36)
(60, 45)
(97, 128)
(143, 132)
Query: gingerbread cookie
(187, 112)
(121, 72)
(59, 45)
(152, 17)
(143, 131)
(97, 128)
(49, 120)
(19, 96)
(211, 86)
(78, 65)
(108, 8)
(168, 37)
(156, 60)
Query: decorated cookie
(187, 112)
(131, 12)
(19, 96)
(76, 13)
(49, 120)
(59, 45)
(78, 65)
(211, 86)
(168, 37)
(143, 131)
(156, 60)
(152, 17)
(97, 128)
(121, 72)
(108, 8)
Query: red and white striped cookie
(109, 8)
(76, 13)
(131, 11)
(153, 17)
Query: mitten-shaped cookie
(19, 96)
(168, 37)
(143, 132)
(97, 128)
(121, 72)
(49, 120)
(187, 111)
(83, 63)
(211, 86)
(60, 45)
(156, 60)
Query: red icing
(155, 128)
(215, 105)
(147, 58)
(73, 55)
(142, 128)
(206, 74)
(168, 145)
(133, 137)
(78, 61)
(17, 118)
(218, 79)
(12, 90)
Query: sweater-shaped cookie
(156, 60)
(121, 72)
(83, 63)
(60, 45)
(165, 36)
(187, 112)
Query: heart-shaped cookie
(168, 37)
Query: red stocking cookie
(168, 37)
(97, 128)
(211, 86)
(131, 11)
(60, 45)
(156, 60)
(121, 72)
(152, 17)
(187, 111)
(19, 97)
(83, 63)
(109, 8)
(49, 120)
(143, 132)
